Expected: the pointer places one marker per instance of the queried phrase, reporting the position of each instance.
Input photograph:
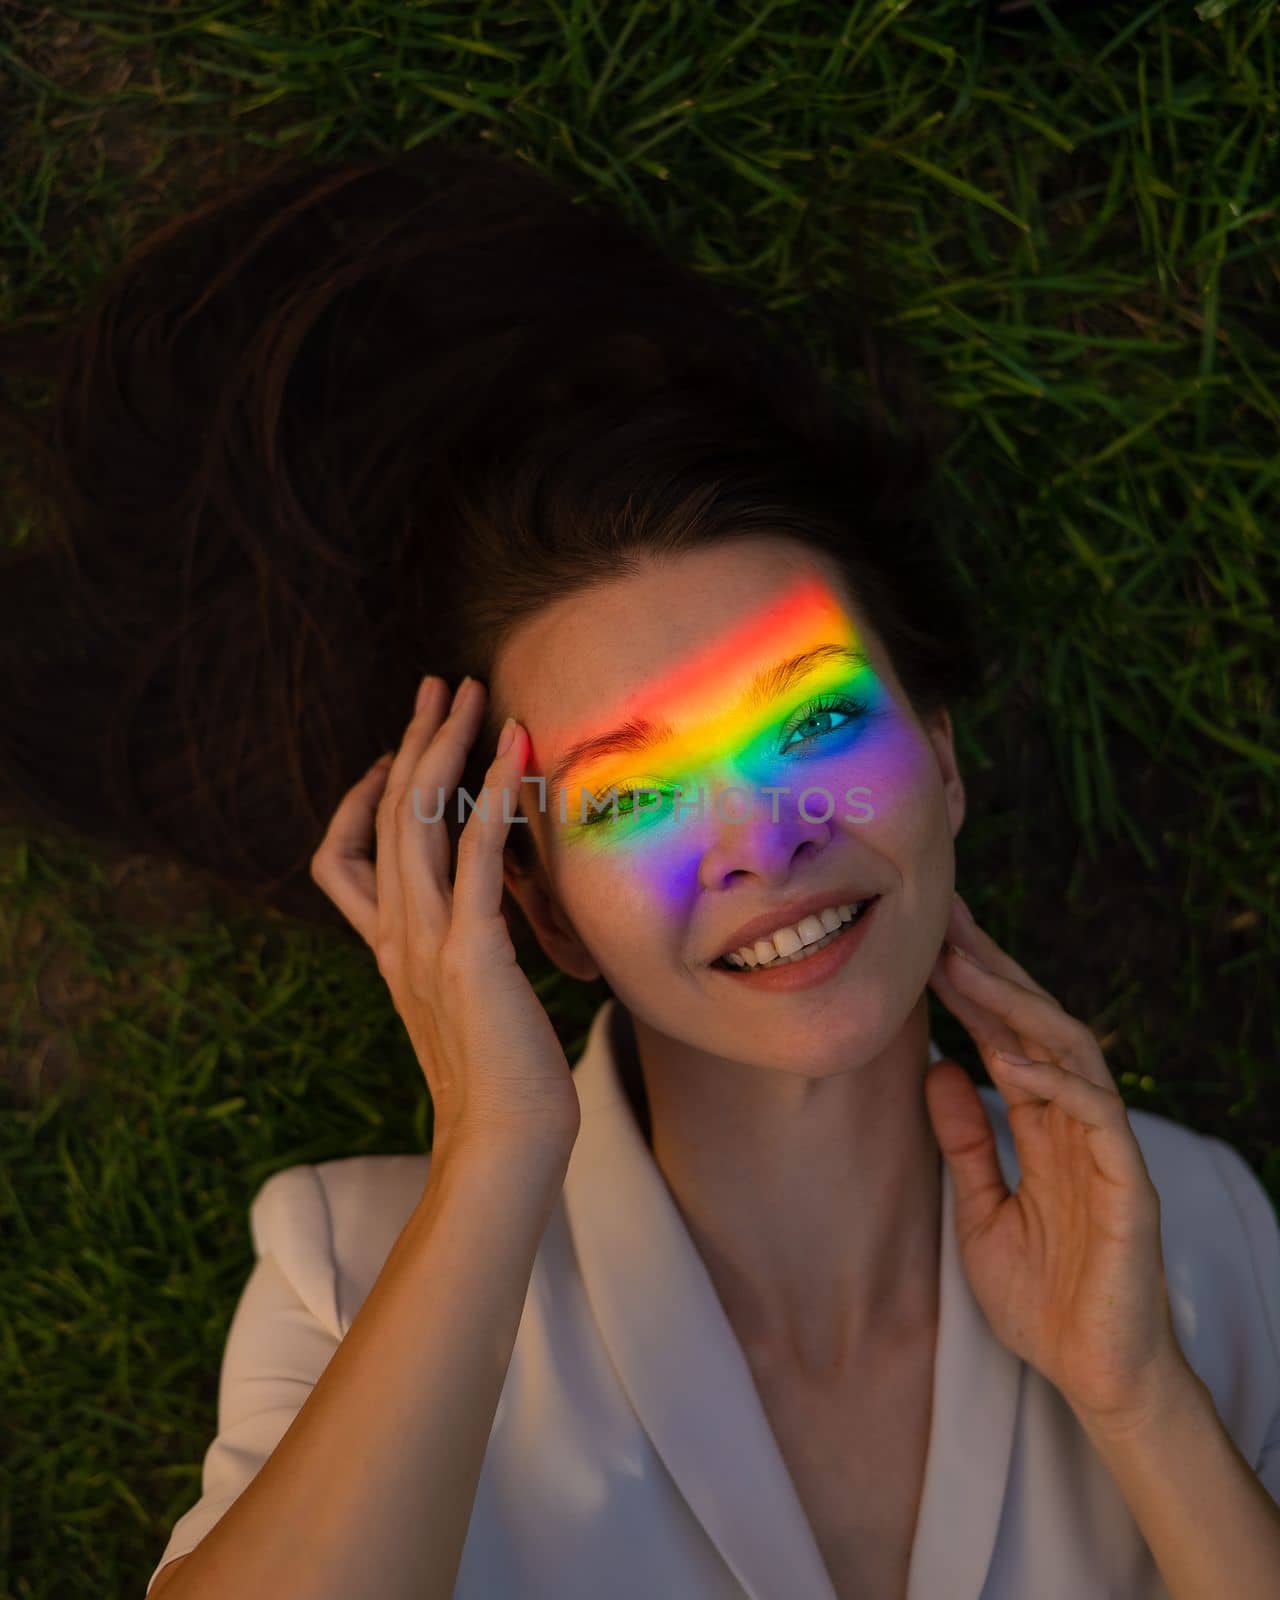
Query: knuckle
(452, 957)
(407, 803)
(473, 830)
(386, 949)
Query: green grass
(1079, 216)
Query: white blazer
(630, 1455)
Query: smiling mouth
(724, 965)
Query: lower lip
(813, 969)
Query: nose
(760, 834)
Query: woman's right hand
(493, 1063)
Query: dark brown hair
(345, 425)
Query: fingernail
(424, 689)
(965, 956)
(507, 735)
(1019, 1068)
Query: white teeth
(787, 943)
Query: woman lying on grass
(762, 1296)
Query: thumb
(968, 1144)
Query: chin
(871, 1021)
(835, 1041)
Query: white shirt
(630, 1455)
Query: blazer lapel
(676, 1355)
(685, 1375)
(977, 1387)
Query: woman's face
(754, 792)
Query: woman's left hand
(1068, 1267)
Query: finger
(428, 706)
(478, 903)
(988, 1032)
(964, 929)
(1061, 1037)
(1101, 1110)
(966, 1138)
(343, 863)
(424, 864)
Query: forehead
(679, 638)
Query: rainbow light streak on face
(796, 736)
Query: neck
(815, 1203)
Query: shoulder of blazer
(331, 1225)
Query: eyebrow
(638, 733)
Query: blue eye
(846, 705)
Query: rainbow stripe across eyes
(639, 800)
(766, 703)
(824, 724)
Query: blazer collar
(688, 1381)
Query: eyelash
(850, 705)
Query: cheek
(889, 785)
(617, 906)
(914, 835)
